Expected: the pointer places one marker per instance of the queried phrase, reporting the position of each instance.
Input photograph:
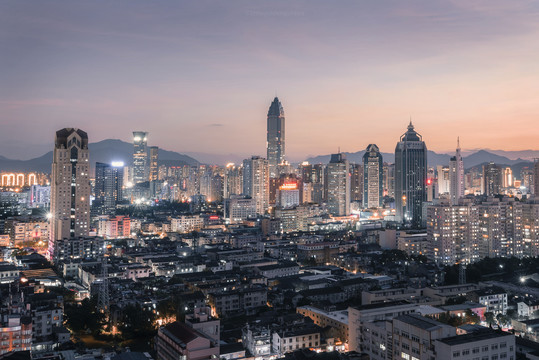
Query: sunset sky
(199, 76)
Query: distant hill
(104, 151)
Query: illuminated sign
(288, 186)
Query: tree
(137, 322)
(489, 318)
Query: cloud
(216, 125)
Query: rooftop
(474, 337)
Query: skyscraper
(154, 157)
(108, 187)
(536, 177)
(275, 137)
(70, 187)
(410, 177)
(356, 183)
(492, 179)
(338, 185)
(140, 157)
(373, 191)
(456, 176)
(256, 182)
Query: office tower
(507, 177)
(536, 177)
(389, 180)
(70, 187)
(456, 176)
(108, 187)
(443, 179)
(410, 177)
(492, 179)
(232, 181)
(373, 175)
(432, 185)
(356, 183)
(140, 157)
(526, 175)
(338, 185)
(275, 137)
(318, 184)
(154, 157)
(256, 182)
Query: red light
(429, 181)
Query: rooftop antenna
(458, 142)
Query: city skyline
(462, 67)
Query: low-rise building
(295, 338)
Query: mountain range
(105, 151)
(110, 150)
(434, 159)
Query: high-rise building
(536, 177)
(154, 157)
(507, 180)
(108, 187)
(410, 177)
(232, 181)
(389, 179)
(356, 183)
(456, 176)
(256, 182)
(492, 179)
(140, 157)
(70, 187)
(373, 175)
(443, 179)
(338, 185)
(275, 137)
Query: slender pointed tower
(456, 176)
(275, 137)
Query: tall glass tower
(276, 137)
(373, 177)
(140, 157)
(410, 177)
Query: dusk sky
(199, 76)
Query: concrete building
(239, 208)
(295, 338)
(180, 341)
(256, 182)
(140, 157)
(414, 336)
(485, 344)
(338, 185)
(359, 316)
(373, 174)
(70, 187)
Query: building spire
(458, 142)
(410, 126)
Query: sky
(199, 76)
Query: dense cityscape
(267, 259)
(269, 180)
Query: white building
(483, 344)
